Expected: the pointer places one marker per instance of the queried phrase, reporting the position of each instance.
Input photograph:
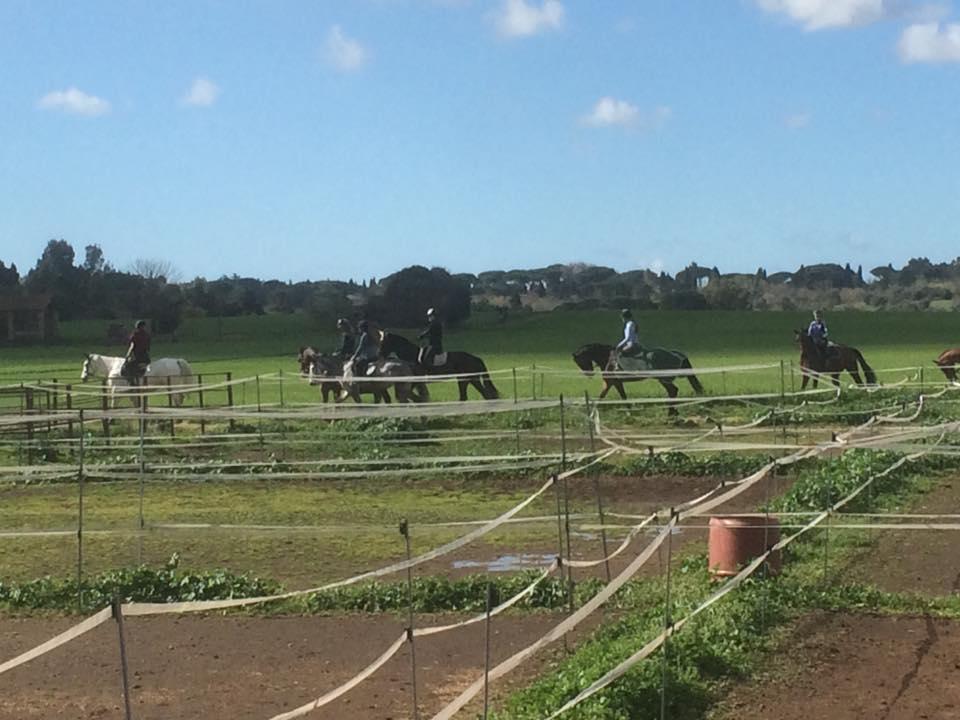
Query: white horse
(175, 371)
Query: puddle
(508, 563)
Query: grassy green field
(264, 345)
(248, 346)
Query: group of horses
(398, 366)
(815, 363)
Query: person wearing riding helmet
(819, 334)
(630, 344)
(348, 340)
(138, 353)
(434, 337)
(367, 349)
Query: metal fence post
(80, 520)
(405, 531)
(118, 616)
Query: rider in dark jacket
(138, 353)
(348, 340)
(367, 349)
(434, 337)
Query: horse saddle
(439, 360)
(633, 363)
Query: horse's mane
(396, 336)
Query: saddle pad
(440, 360)
(629, 364)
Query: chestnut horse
(838, 358)
(948, 362)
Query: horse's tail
(490, 391)
(694, 382)
(869, 374)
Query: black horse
(603, 358)
(473, 368)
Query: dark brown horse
(836, 359)
(306, 358)
(948, 362)
(601, 357)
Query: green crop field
(248, 346)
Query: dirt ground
(232, 667)
(843, 666)
(251, 668)
(860, 667)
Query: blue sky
(349, 139)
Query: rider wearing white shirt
(630, 342)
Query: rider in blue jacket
(819, 334)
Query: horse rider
(434, 337)
(348, 340)
(138, 353)
(819, 335)
(367, 349)
(630, 345)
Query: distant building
(27, 318)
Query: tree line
(93, 288)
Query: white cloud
(203, 93)
(519, 18)
(343, 52)
(610, 112)
(823, 14)
(75, 102)
(796, 121)
(931, 43)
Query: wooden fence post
(203, 422)
(230, 398)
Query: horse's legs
(672, 392)
(605, 390)
(618, 384)
(478, 386)
(462, 384)
(835, 377)
(804, 381)
(855, 375)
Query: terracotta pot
(735, 541)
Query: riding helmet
(625, 313)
